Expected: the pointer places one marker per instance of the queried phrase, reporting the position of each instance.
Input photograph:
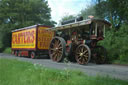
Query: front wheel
(83, 54)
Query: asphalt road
(114, 71)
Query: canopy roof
(81, 23)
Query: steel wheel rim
(32, 55)
(82, 54)
(56, 50)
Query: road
(114, 71)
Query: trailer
(31, 41)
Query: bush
(116, 43)
(7, 50)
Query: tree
(25, 12)
(66, 17)
(113, 10)
(21, 13)
(90, 10)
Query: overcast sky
(60, 8)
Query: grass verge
(15, 72)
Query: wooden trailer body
(31, 41)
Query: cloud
(61, 7)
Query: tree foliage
(90, 10)
(25, 12)
(113, 10)
(21, 13)
(66, 17)
(116, 44)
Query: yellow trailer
(31, 41)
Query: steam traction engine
(78, 40)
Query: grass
(15, 72)
(7, 50)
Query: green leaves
(67, 17)
(90, 10)
(116, 43)
(23, 11)
(16, 14)
(113, 10)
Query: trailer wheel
(16, 53)
(19, 54)
(83, 54)
(33, 55)
(57, 49)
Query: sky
(60, 8)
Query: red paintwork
(68, 42)
(24, 53)
(93, 37)
(100, 38)
(37, 37)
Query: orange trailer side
(24, 39)
(44, 38)
(31, 41)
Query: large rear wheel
(57, 49)
(83, 54)
(101, 55)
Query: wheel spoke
(60, 48)
(59, 44)
(85, 56)
(60, 51)
(79, 59)
(82, 49)
(52, 49)
(55, 43)
(85, 51)
(83, 60)
(53, 54)
(55, 57)
(58, 54)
